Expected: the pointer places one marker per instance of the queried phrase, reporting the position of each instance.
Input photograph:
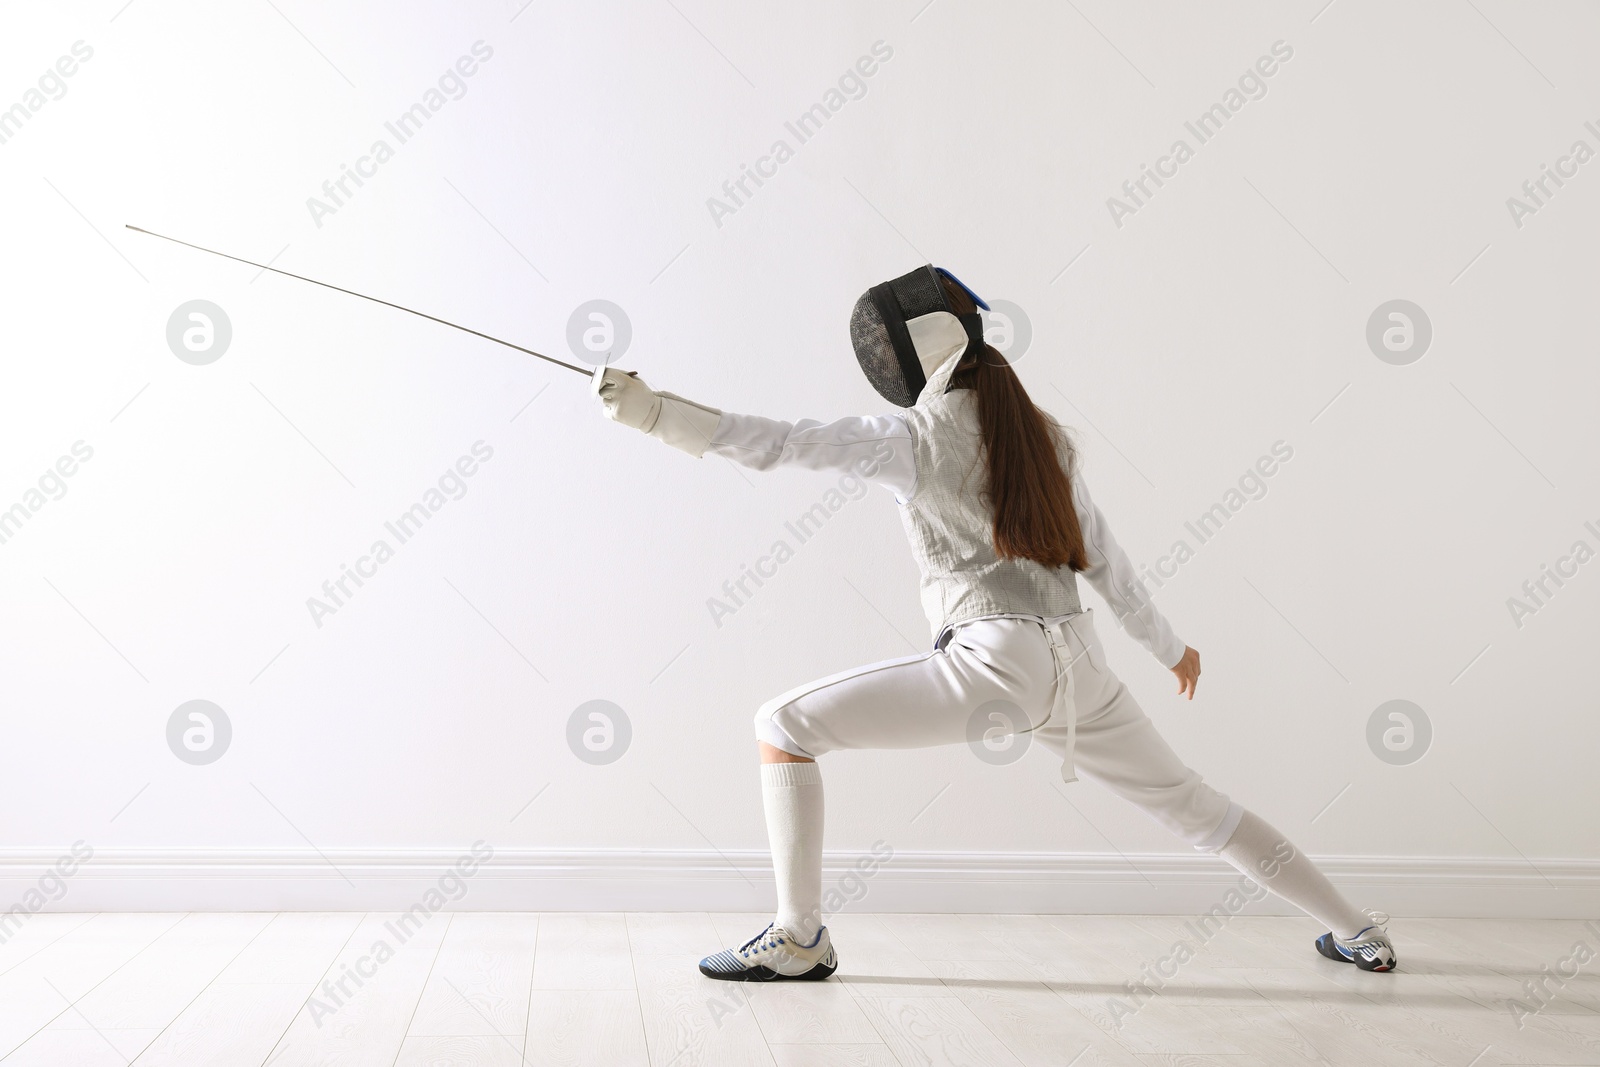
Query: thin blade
(585, 371)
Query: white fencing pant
(998, 677)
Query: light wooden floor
(601, 989)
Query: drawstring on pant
(1066, 689)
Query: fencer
(1001, 524)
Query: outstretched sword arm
(585, 371)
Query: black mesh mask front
(879, 336)
(876, 354)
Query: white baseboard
(683, 880)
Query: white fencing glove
(668, 418)
(626, 399)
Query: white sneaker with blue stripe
(774, 955)
(1370, 949)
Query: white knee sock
(792, 796)
(1268, 858)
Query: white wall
(1227, 314)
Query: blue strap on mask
(976, 299)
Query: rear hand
(1187, 670)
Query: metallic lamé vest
(949, 524)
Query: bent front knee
(772, 729)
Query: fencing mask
(905, 329)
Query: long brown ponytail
(1029, 487)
